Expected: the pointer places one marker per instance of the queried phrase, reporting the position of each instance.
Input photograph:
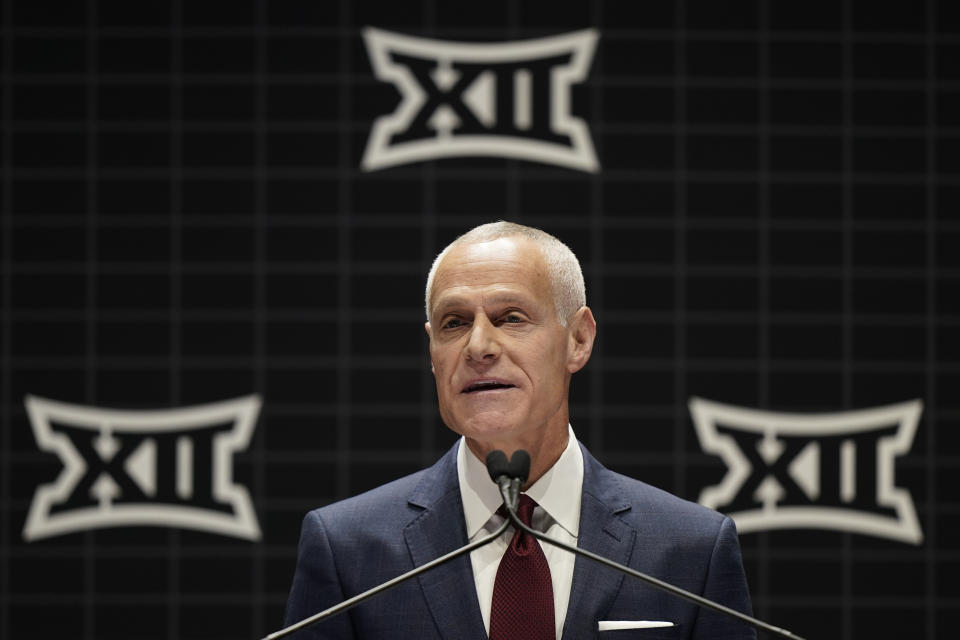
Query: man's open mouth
(486, 385)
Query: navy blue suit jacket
(350, 546)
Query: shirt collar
(558, 491)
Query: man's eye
(453, 323)
(512, 319)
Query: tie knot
(525, 508)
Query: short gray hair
(566, 277)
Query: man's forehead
(507, 245)
(504, 258)
(465, 296)
(511, 267)
(470, 259)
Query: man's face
(501, 359)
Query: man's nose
(483, 344)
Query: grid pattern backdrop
(185, 220)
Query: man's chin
(492, 428)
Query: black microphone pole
(369, 593)
(521, 458)
(506, 475)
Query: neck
(544, 450)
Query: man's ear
(426, 327)
(583, 331)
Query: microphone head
(497, 465)
(519, 465)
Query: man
(508, 326)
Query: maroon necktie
(523, 592)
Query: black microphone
(509, 475)
(511, 502)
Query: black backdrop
(185, 220)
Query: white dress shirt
(557, 493)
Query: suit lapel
(601, 531)
(449, 589)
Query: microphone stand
(510, 477)
(655, 582)
(369, 593)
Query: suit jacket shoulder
(355, 544)
(661, 535)
(648, 509)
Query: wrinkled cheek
(444, 402)
(444, 413)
